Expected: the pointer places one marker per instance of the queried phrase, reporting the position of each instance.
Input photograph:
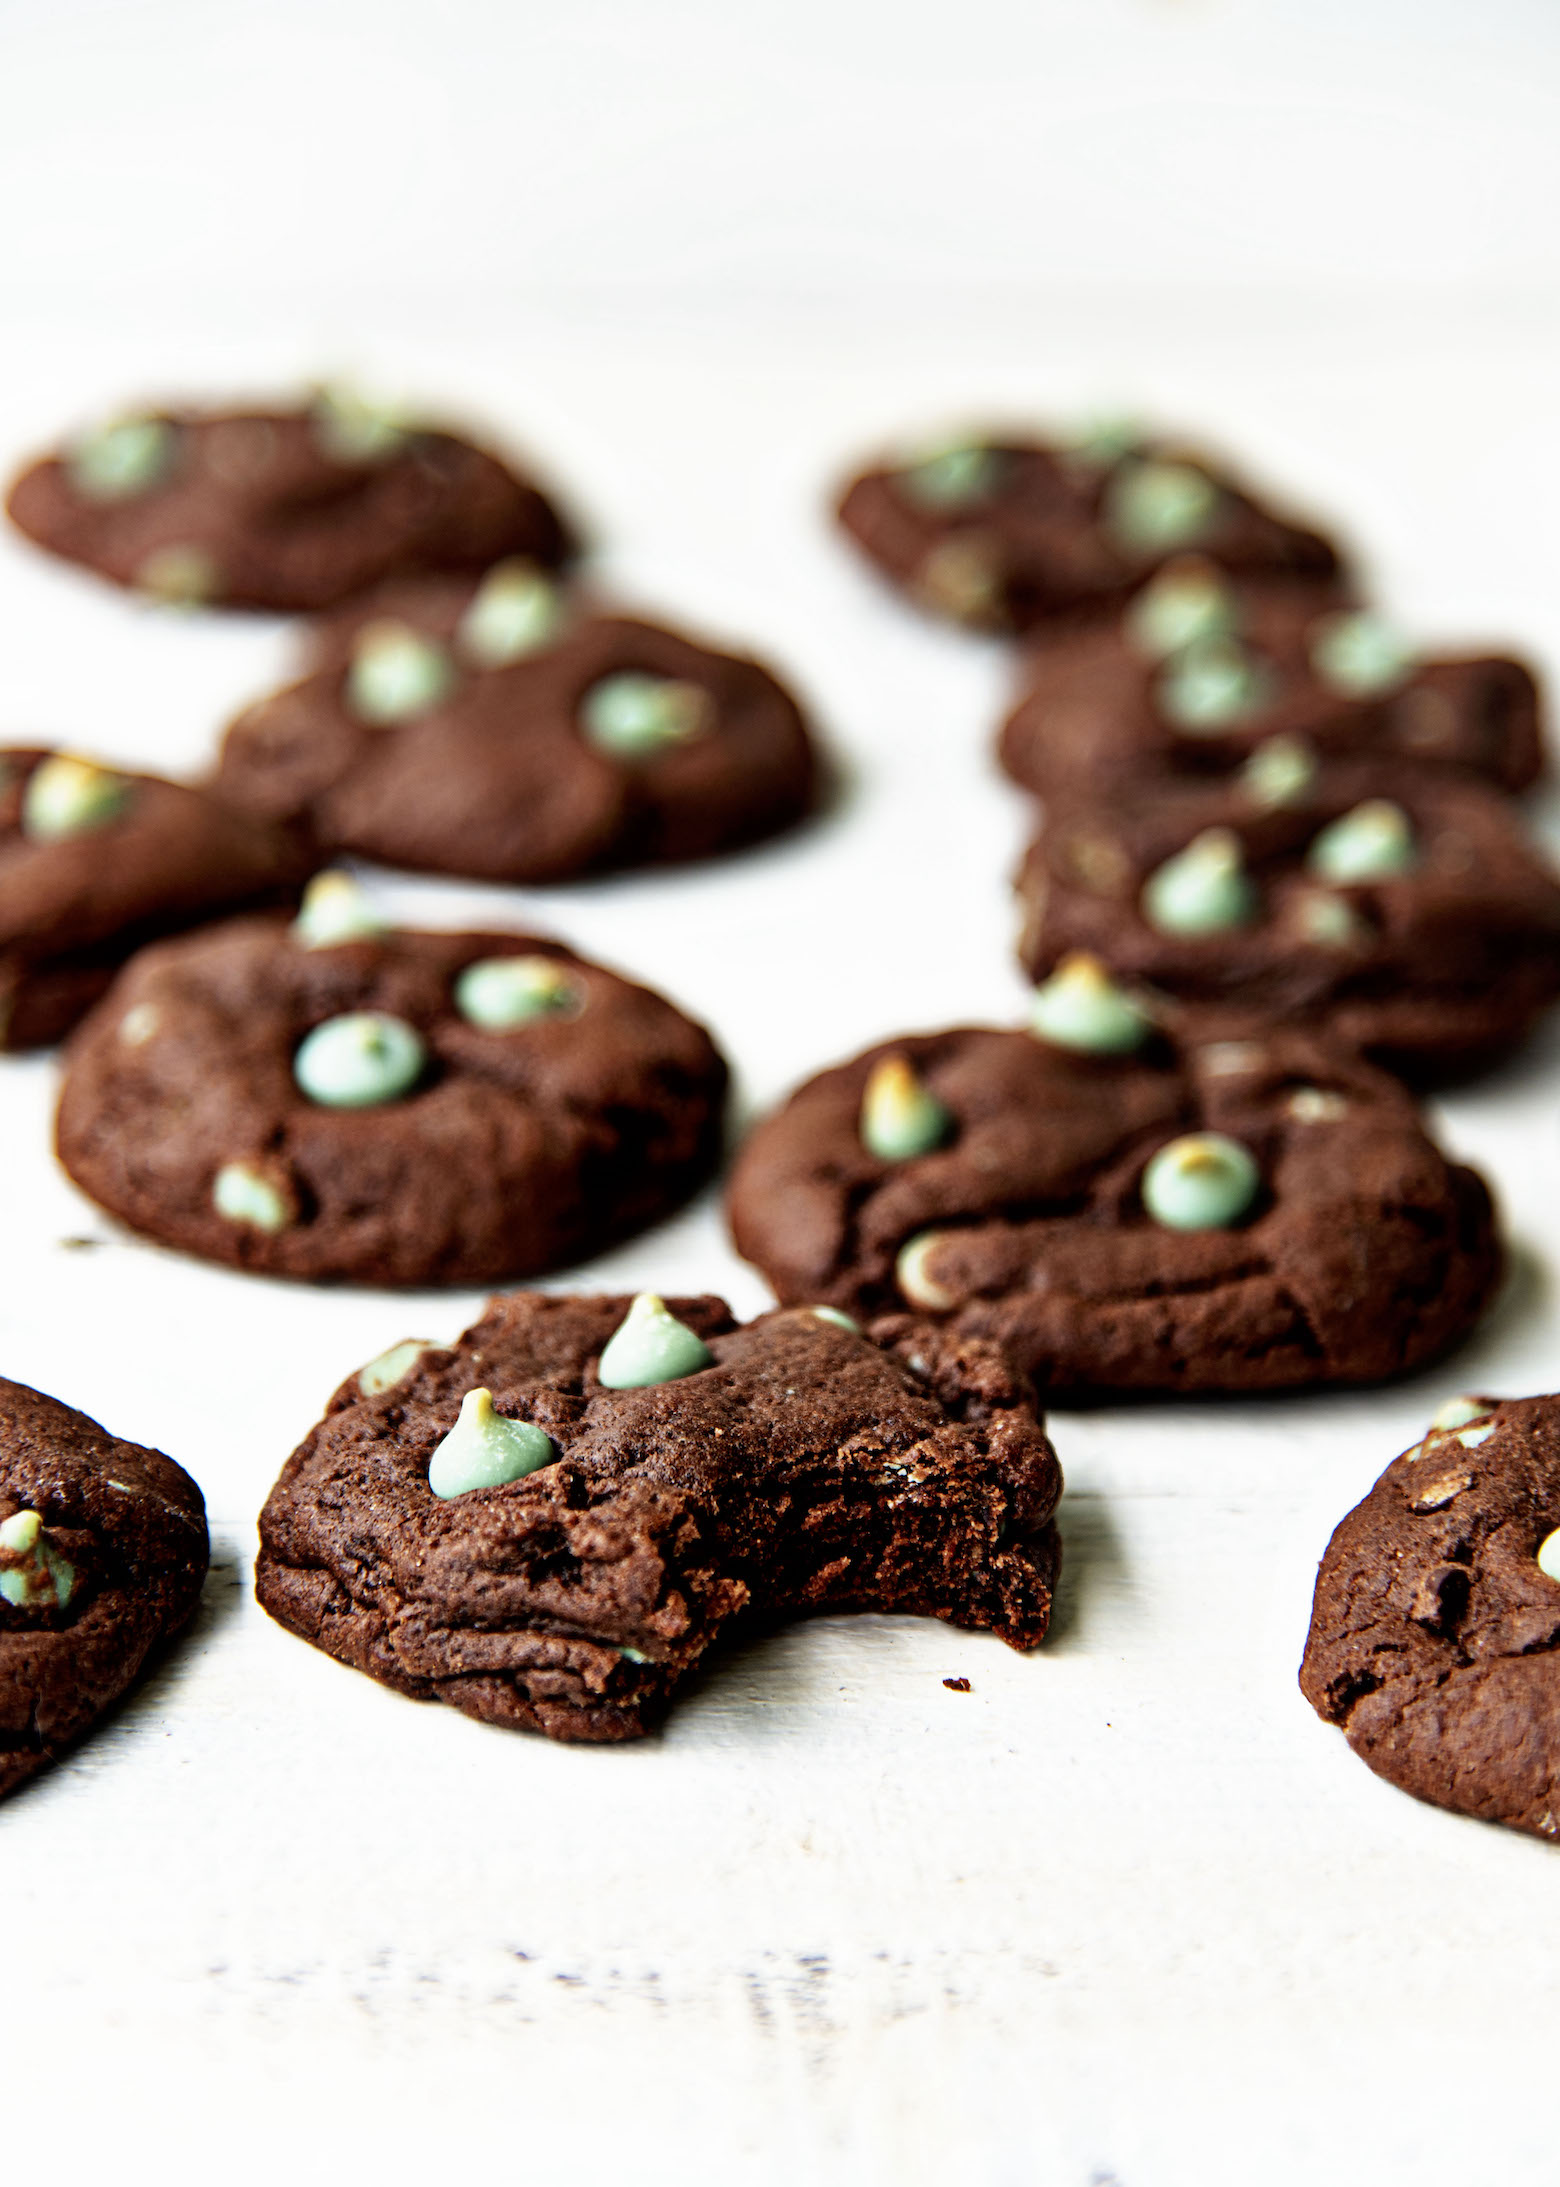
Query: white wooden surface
(1125, 1913)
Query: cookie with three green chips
(330, 1098)
(549, 1523)
(1007, 531)
(285, 508)
(501, 728)
(1123, 1205)
(1405, 912)
(1205, 673)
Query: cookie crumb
(957, 1685)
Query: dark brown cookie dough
(505, 773)
(1433, 971)
(1359, 1252)
(476, 1151)
(95, 862)
(1102, 709)
(102, 1554)
(284, 509)
(802, 1469)
(1435, 1633)
(1007, 533)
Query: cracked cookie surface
(507, 1151)
(74, 906)
(102, 1553)
(279, 509)
(1031, 532)
(497, 777)
(1095, 711)
(802, 1470)
(1363, 1253)
(1435, 1632)
(1434, 971)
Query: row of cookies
(467, 705)
(1258, 796)
(889, 1118)
(1278, 834)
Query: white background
(1126, 1915)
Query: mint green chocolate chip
(353, 429)
(359, 1060)
(484, 1449)
(396, 672)
(834, 1317)
(1330, 920)
(1374, 842)
(66, 796)
(1204, 889)
(1188, 601)
(1154, 507)
(1099, 444)
(499, 993)
(240, 1194)
(391, 1368)
(1548, 1555)
(121, 460)
(514, 611)
(179, 576)
(1081, 1007)
(899, 1117)
(916, 1282)
(1211, 685)
(1460, 1412)
(1280, 772)
(633, 715)
(1201, 1182)
(33, 1574)
(950, 478)
(335, 910)
(964, 577)
(649, 1346)
(1359, 655)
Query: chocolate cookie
(548, 1523)
(1405, 913)
(95, 862)
(102, 1554)
(1121, 1211)
(330, 1100)
(1006, 534)
(1435, 1634)
(285, 509)
(504, 741)
(1202, 672)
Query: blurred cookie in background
(1406, 913)
(95, 861)
(1203, 670)
(288, 509)
(1008, 532)
(501, 730)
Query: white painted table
(1126, 1912)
